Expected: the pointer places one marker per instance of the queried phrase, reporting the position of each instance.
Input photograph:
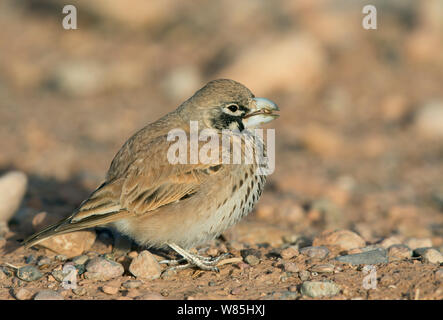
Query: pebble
(145, 266)
(430, 255)
(102, 269)
(415, 243)
(70, 244)
(322, 268)
(290, 238)
(369, 257)
(111, 290)
(429, 119)
(343, 239)
(289, 253)
(12, 189)
(399, 252)
(132, 254)
(439, 274)
(248, 252)
(79, 291)
(315, 252)
(304, 275)
(80, 260)
(150, 296)
(48, 295)
(29, 273)
(390, 241)
(58, 275)
(252, 260)
(61, 258)
(44, 262)
(132, 284)
(317, 289)
(22, 294)
(30, 259)
(291, 267)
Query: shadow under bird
(159, 204)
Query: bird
(179, 205)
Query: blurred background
(359, 142)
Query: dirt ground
(358, 144)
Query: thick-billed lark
(184, 203)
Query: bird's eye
(233, 107)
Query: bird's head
(226, 104)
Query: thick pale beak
(261, 112)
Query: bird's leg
(204, 263)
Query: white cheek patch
(233, 126)
(257, 120)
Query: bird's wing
(148, 183)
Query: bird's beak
(261, 111)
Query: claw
(193, 260)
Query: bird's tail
(67, 225)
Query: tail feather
(67, 225)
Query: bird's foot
(192, 260)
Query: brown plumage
(161, 204)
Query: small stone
(289, 253)
(168, 273)
(111, 290)
(58, 275)
(399, 252)
(132, 284)
(386, 243)
(439, 274)
(343, 239)
(304, 275)
(322, 268)
(415, 243)
(290, 238)
(16, 282)
(22, 294)
(30, 259)
(102, 269)
(429, 119)
(70, 244)
(80, 260)
(248, 252)
(145, 266)
(61, 258)
(236, 291)
(369, 257)
(150, 296)
(430, 255)
(213, 252)
(79, 291)
(48, 295)
(315, 252)
(291, 267)
(132, 254)
(29, 273)
(318, 289)
(44, 262)
(12, 189)
(252, 260)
